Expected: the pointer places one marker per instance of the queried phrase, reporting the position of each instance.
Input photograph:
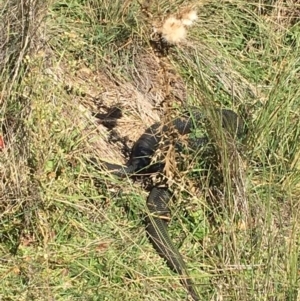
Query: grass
(72, 232)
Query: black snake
(157, 201)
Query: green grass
(69, 231)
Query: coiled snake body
(157, 201)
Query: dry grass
(81, 79)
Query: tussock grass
(70, 231)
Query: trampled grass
(80, 80)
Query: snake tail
(157, 231)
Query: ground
(83, 79)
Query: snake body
(157, 201)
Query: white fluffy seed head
(189, 17)
(173, 30)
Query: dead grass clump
(19, 36)
(282, 14)
(19, 33)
